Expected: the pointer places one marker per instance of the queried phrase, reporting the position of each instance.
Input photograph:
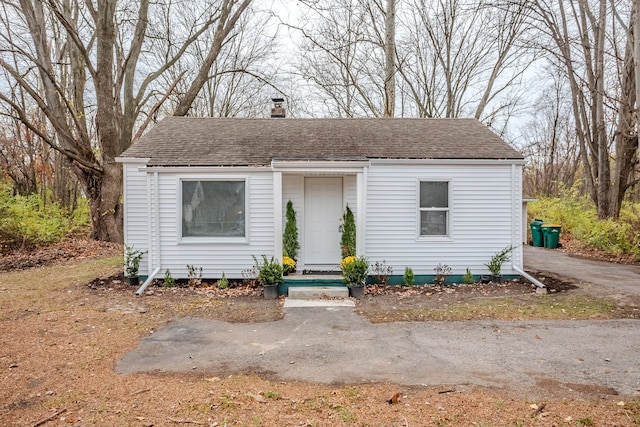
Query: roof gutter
(475, 162)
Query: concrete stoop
(315, 292)
(318, 296)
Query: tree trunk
(604, 170)
(626, 139)
(390, 60)
(105, 190)
(636, 47)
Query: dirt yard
(65, 323)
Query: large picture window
(434, 208)
(213, 209)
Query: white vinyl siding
(174, 253)
(484, 213)
(484, 216)
(351, 193)
(137, 211)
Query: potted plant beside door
(269, 275)
(354, 274)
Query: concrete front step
(301, 303)
(315, 292)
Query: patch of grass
(574, 307)
(36, 286)
(272, 395)
(346, 416)
(65, 274)
(352, 393)
(199, 407)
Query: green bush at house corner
(495, 264)
(132, 258)
(354, 271)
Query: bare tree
(635, 28)
(225, 23)
(390, 59)
(585, 34)
(242, 79)
(550, 141)
(460, 56)
(345, 52)
(109, 77)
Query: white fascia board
(133, 160)
(324, 166)
(205, 169)
(467, 162)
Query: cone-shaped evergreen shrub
(290, 244)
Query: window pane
(433, 223)
(213, 208)
(434, 194)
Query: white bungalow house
(211, 192)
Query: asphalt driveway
(613, 278)
(335, 345)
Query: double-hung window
(214, 208)
(434, 208)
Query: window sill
(430, 239)
(213, 240)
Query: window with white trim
(213, 208)
(434, 208)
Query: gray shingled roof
(188, 141)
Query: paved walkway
(616, 278)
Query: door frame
(328, 266)
(319, 168)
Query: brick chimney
(278, 108)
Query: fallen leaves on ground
(61, 338)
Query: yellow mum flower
(346, 261)
(288, 263)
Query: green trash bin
(536, 233)
(551, 235)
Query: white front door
(322, 213)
